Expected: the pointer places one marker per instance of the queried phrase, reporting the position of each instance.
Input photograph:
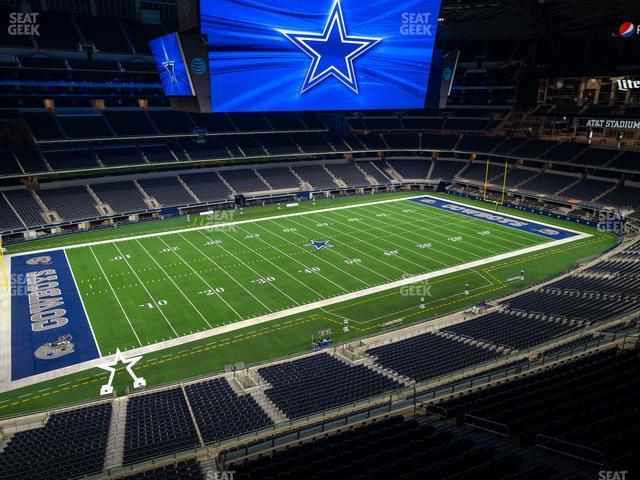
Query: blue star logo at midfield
(319, 245)
(332, 52)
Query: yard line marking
(218, 225)
(204, 281)
(174, 283)
(225, 272)
(276, 265)
(401, 234)
(360, 252)
(84, 309)
(465, 225)
(295, 311)
(250, 268)
(299, 247)
(116, 296)
(145, 289)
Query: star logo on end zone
(332, 52)
(628, 30)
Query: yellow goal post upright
(5, 284)
(504, 184)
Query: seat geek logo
(416, 24)
(23, 24)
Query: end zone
(49, 326)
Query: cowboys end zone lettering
(293, 55)
(49, 328)
(555, 233)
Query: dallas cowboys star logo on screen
(332, 52)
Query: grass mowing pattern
(142, 291)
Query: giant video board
(291, 55)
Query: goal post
(503, 189)
(4, 274)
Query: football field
(154, 291)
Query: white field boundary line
(287, 215)
(284, 313)
(5, 331)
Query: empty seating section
(8, 163)
(515, 176)
(446, 169)
(411, 169)
(623, 196)
(212, 149)
(591, 401)
(373, 141)
(382, 123)
(422, 123)
(168, 191)
(183, 470)
(476, 144)
(207, 186)
(548, 183)
(532, 149)
(169, 121)
(439, 142)
(284, 121)
(121, 196)
(244, 180)
(71, 443)
(26, 206)
(375, 170)
(245, 145)
(214, 122)
(221, 413)
(128, 123)
(508, 146)
(596, 156)
(478, 171)
(157, 424)
(566, 151)
(430, 355)
(248, 122)
(72, 203)
(316, 175)
(314, 143)
(30, 160)
(8, 218)
(279, 178)
(627, 161)
(279, 144)
(320, 382)
(348, 173)
(84, 126)
(70, 159)
(119, 156)
(514, 329)
(42, 125)
(403, 141)
(158, 153)
(585, 305)
(588, 189)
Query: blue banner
(551, 232)
(49, 327)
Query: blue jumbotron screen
(267, 55)
(169, 58)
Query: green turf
(292, 334)
(143, 291)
